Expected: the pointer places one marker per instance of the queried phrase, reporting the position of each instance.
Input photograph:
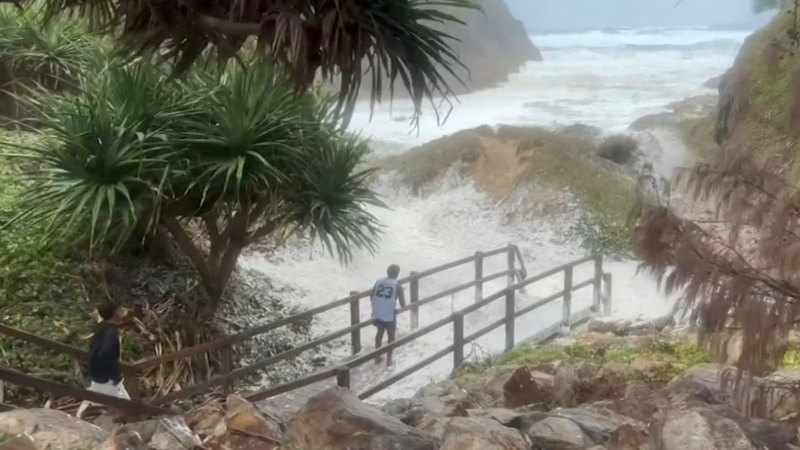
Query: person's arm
(401, 296)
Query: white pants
(109, 388)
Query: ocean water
(601, 78)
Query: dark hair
(393, 271)
(107, 310)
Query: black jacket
(104, 355)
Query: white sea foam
(597, 78)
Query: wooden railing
(515, 274)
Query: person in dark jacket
(104, 355)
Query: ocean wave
(716, 44)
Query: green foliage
(53, 56)
(568, 163)
(676, 356)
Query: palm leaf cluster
(236, 149)
(399, 39)
(52, 56)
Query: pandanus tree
(331, 40)
(238, 152)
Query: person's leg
(378, 339)
(391, 328)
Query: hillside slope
(759, 104)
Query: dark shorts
(390, 327)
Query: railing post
(478, 276)
(227, 368)
(512, 259)
(413, 299)
(598, 283)
(343, 377)
(355, 319)
(566, 321)
(510, 311)
(131, 381)
(607, 294)
(458, 340)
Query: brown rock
(246, 428)
(473, 433)
(337, 419)
(556, 433)
(49, 428)
(204, 420)
(505, 417)
(598, 423)
(19, 443)
(627, 437)
(639, 402)
(523, 388)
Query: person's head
(111, 312)
(393, 271)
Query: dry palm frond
(743, 267)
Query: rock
(435, 427)
(505, 417)
(713, 83)
(699, 428)
(704, 383)
(246, 427)
(556, 433)
(474, 433)
(597, 423)
(649, 368)
(415, 411)
(617, 327)
(204, 420)
(525, 388)
(168, 433)
(51, 428)
(122, 439)
(639, 402)
(627, 437)
(337, 419)
(586, 382)
(19, 443)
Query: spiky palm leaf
(398, 39)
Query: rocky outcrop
(759, 98)
(492, 45)
(337, 419)
(46, 428)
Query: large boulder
(474, 433)
(580, 383)
(337, 419)
(599, 424)
(245, 427)
(51, 429)
(526, 387)
(698, 428)
(168, 433)
(558, 433)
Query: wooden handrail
(229, 375)
(242, 336)
(23, 379)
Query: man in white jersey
(384, 295)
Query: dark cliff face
(759, 102)
(493, 45)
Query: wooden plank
(22, 379)
(458, 340)
(510, 308)
(414, 298)
(307, 380)
(404, 373)
(45, 343)
(478, 276)
(343, 377)
(357, 361)
(598, 283)
(566, 316)
(485, 330)
(355, 319)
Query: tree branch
(188, 247)
(229, 28)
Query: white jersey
(384, 296)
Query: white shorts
(114, 390)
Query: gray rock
(699, 428)
(474, 433)
(556, 433)
(49, 428)
(506, 417)
(337, 419)
(597, 423)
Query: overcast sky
(541, 15)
